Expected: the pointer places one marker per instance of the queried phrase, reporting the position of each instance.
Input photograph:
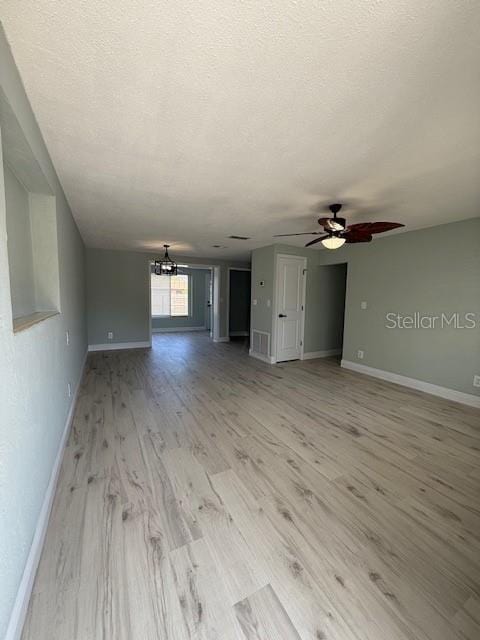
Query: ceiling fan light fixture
(333, 242)
(166, 266)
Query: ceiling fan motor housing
(334, 224)
(337, 224)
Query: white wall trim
(310, 355)
(420, 385)
(223, 339)
(113, 346)
(236, 334)
(176, 329)
(260, 356)
(19, 611)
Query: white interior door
(289, 307)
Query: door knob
(282, 315)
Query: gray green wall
(197, 316)
(431, 270)
(263, 265)
(35, 364)
(117, 296)
(118, 290)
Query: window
(170, 295)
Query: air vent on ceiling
(239, 238)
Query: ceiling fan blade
(374, 227)
(306, 233)
(317, 240)
(381, 227)
(359, 227)
(357, 237)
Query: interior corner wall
(118, 290)
(35, 365)
(431, 271)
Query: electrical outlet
(254, 302)
(110, 335)
(69, 389)
(67, 336)
(476, 381)
(268, 303)
(363, 305)
(360, 354)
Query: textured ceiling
(186, 122)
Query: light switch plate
(363, 305)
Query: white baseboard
(263, 358)
(310, 355)
(114, 346)
(420, 385)
(176, 329)
(19, 611)
(223, 339)
(238, 334)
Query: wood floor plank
(206, 495)
(467, 620)
(201, 592)
(262, 616)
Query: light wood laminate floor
(206, 495)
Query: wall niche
(31, 223)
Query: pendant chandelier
(166, 266)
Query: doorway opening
(238, 304)
(325, 317)
(185, 301)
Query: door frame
(215, 309)
(228, 293)
(209, 301)
(275, 311)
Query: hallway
(205, 494)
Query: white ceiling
(185, 122)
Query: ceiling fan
(335, 231)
